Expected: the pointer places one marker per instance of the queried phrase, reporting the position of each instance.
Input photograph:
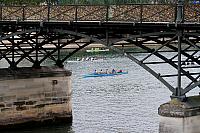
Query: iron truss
(34, 45)
(171, 50)
(161, 45)
(166, 37)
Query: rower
(113, 71)
(95, 71)
(120, 71)
(101, 72)
(106, 71)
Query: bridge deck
(89, 25)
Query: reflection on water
(65, 128)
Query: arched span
(110, 45)
(8, 46)
(36, 49)
(18, 33)
(166, 43)
(35, 46)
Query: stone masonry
(34, 95)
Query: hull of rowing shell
(103, 74)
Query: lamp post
(180, 11)
(179, 19)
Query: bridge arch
(174, 43)
(38, 44)
(174, 37)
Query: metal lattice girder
(189, 75)
(147, 37)
(38, 42)
(14, 48)
(157, 75)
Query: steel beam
(151, 71)
(178, 91)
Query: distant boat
(103, 74)
(87, 59)
(97, 50)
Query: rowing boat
(103, 74)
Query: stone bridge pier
(31, 96)
(178, 116)
(181, 114)
(167, 34)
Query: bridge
(35, 33)
(38, 33)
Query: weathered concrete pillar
(180, 117)
(34, 96)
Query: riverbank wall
(31, 96)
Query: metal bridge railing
(192, 13)
(131, 12)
